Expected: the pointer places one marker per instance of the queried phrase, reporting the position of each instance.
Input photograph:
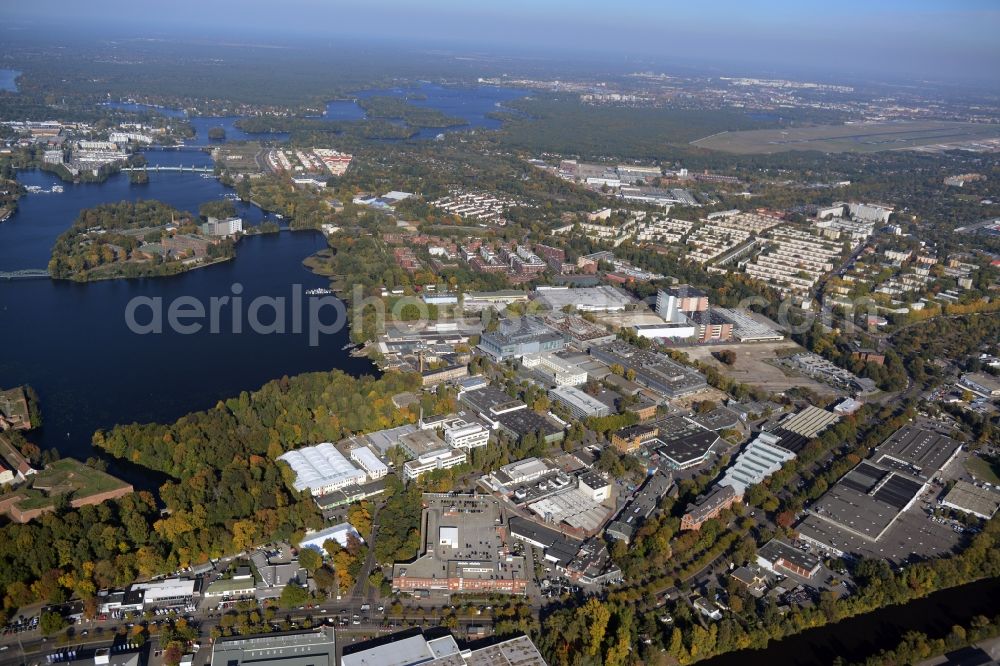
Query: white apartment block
(794, 260)
(665, 230)
(711, 241)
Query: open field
(857, 138)
(751, 366)
(984, 470)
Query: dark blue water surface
(470, 103)
(8, 79)
(71, 342)
(202, 124)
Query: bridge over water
(186, 169)
(25, 274)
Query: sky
(917, 39)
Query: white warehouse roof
(322, 468)
(338, 533)
(369, 461)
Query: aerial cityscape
(537, 334)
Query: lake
(71, 342)
(8, 80)
(473, 104)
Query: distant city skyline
(915, 39)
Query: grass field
(859, 138)
(66, 476)
(984, 470)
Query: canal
(856, 638)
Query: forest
(226, 491)
(110, 240)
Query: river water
(71, 341)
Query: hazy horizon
(915, 40)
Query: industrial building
(781, 558)
(866, 503)
(581, 405)
(322, 469)
(657, 371)
(463, 549)
(315, 647)
(602, 298)
(810, 421)
(638, 509)
(412, 648)
(369, 462)
(340, 533)
(516, 337)
(761, 458)
(969, 498)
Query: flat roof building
(463, 549)
(369, 462)
(412, 648)
(315, 647)
(602, 298)
(657, 371)
(581, 405)
(969, 498)
(779, 557)
(516, 337)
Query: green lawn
(985, 470)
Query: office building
(708, 507)
(468, 436)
